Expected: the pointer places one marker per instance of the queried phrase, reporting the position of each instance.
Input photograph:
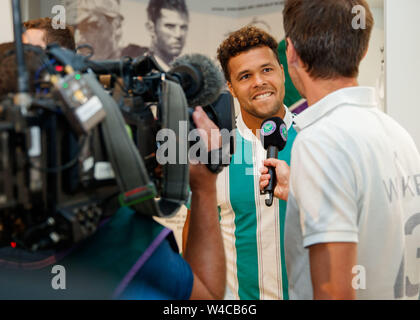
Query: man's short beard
(266, 115)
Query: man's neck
(162, 58)
(254, 124)
(315, 90)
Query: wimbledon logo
(268, 128)
(283, 132)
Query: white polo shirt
(355, 177)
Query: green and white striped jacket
(253, 233)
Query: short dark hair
(242, 40)
(8, 70)
(155, 6)
(324, 38)
(63, 37)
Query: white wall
(6, 25)
(370, 68)
(402, 66)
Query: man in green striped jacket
(253, 233)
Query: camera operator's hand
(204, 249)
(200, 176)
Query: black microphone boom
(23, 77)
(140, 66)
(274, 136)
(200, 78)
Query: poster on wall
(167, 29)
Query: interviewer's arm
(204, 250)
(331, 270)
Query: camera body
(50, 194)
(78, 152)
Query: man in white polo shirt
(353, 214)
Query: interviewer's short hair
(324, 35)
(242, 40)
(63, 37)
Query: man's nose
(178, 32)
(259, 80)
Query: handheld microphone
(23, 77)
(274, 138)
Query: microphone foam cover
(274, 133)
(213, 79)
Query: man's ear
(232, 92)
(150, 26)
(291, 54)
(282, 71)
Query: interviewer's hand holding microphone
(274, 180)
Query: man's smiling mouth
(262, 96)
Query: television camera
(72, 151)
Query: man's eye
(92, 26)
(170, 26)
(244, 77)
(268, 69)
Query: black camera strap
(174, 108)
(130, 172)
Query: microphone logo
(283, 132)
(268, 128)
